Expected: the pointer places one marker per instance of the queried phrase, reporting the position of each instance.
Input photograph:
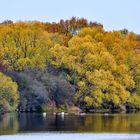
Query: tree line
(55, 66)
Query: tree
(99, 64)
(23, 46)
(8, 94)
(103, 67)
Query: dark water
(88, 125)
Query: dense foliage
(71, 63)
(104, 66)
(8, 94)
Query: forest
(65, 65)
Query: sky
(113, 14)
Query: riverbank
(76, 111)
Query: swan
(44, 114)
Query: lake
(35, 126)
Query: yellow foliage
(8, 93)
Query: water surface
(87, 127)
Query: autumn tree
(99, 63)
(22, 46)
(8, 94)
(103, 67)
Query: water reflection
(26, 122)
(9, 124)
